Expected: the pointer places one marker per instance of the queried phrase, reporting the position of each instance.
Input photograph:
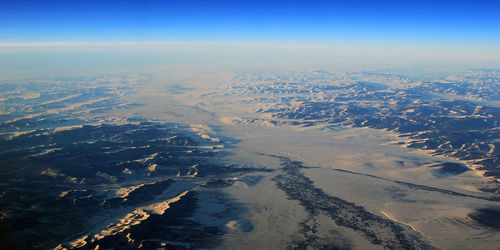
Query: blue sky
(455, 22)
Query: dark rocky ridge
(449, 118)
(171, 230)
(55, 184)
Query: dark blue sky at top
(475, 22)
